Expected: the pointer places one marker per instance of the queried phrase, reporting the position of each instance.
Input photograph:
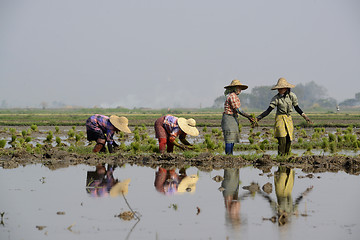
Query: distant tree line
(352, 102)
(310, 95)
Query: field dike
(54, 159)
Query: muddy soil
(55, 158)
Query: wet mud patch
(54, 158)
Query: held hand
(253, 122)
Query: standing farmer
(101, 129)
(168, 128)
(285, 100)
(230, 122)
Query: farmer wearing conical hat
(285, 100)
(168, 128)
(102, 128)
(230, 122)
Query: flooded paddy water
(54, 193)
(274, 203)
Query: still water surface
(39, 203)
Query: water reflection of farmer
(168, 128)
(100, 181)
(101, 129)
(230, 186)
(168, 182)
(284, 182)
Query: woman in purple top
(101, 129)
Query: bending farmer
(168, 128)
(101, 129)
(284, 101)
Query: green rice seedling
(23, 133)
(338, 131)
(2, 143)
(315, 136)
(333, 147)
(144, 128)
(262, 146)
(29, 131)
(347, 138)
(28, 139)
(21, 140)
(34, 127)
(29, 148)
(58, 141)
(303, 133)
(122, 147)
(73, 128)
(355, 145)
(57, 129)
(137, 137)
(240, 127)
(353, 138)
(204, 129)
(135, 146)
(144, 136)
(151, 141)
(189, 154)
(49, 137)
(5, 129)
(12, 130)
(332, 137)
(121, 135)
(340, 138)
(300, 140)
(325, 143)
(297, 127)
(216, 132)
(251, 140)
(77, 137)
(13, 138)
(71, 133)
(208, 142)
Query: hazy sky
(170, 53)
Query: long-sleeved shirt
(172, 127)
(102, 123)
(231, 104)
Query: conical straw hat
(237, 83)
(120, 123)
(282, 83)
(188, 184)
(188, 126)
(120, 188)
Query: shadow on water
(136, 202)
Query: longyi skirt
(230, 128)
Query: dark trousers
(284, 145)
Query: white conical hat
(188, 126)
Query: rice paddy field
(54, 187)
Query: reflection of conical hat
(188, 126)
(237, 83)
(120, 123)
(120, 188)
(188, 184)
(282, 83)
